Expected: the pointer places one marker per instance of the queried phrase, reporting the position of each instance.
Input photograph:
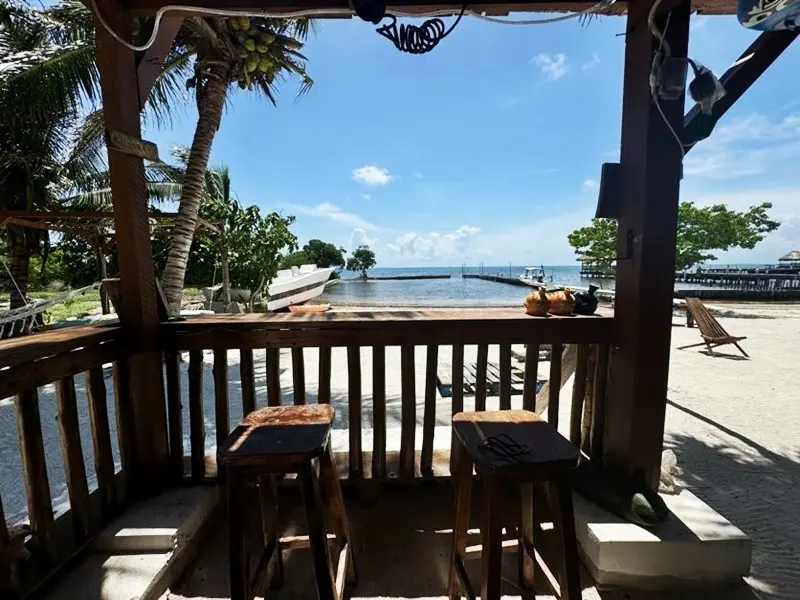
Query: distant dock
(787, 289)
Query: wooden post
(648, 215)
(138, 313)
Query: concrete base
(140, 554)
(695, 545)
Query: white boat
(290, 286)
(297, 285)
(534, 277)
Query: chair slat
(505, 376)
(247, 379)
(222, 413)
(298, 376)
(273, 377)
(408, 419)
(457, 378)
(197, 426)
(174, 413)
(531, 377)
(480, 377)
(324, 390)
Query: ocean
(456, 291)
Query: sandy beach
(730, 422)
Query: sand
(731, 422)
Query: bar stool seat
(273, 441)
(511, 447)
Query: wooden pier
(407, 277)
(743, 280)
(497, 278)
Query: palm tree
(256, 54)
(48, 80)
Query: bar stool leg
(237, 555)
(527, 523)
(323, 569)
(462, 481)
(268, 499)
(332, 492)
(492, 540)
(570, 578)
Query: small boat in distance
(534, 277)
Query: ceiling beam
(737, 80)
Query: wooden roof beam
(150, 62)
(737, 80)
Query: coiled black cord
(418, 39)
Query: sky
(488, 149)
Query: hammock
(22, 320)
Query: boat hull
(285, 291)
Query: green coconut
(250, 45)
(251, 64)
(263, 48)
(266, 38)
(234, 24)
(253, 32)
(264, 65)
(242, 52)
(244, 23)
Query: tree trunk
(211, 101)
(20, 268)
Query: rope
(14, 281)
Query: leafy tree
(256, 54)
(317, 252)
(361, 260)
(251, 244)
(700, 231)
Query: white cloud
(746, 146)
(592, 62)
(372, 175)
(552, 66)
(330, 211)
(590, 184)
(359, 237)
(367, 197)
(433, 246)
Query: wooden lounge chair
(712, 332)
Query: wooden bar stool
(511, 447)
(275, 441)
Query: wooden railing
(45, 366)
(583, 342)
(27, 364)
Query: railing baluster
(197, 422)
(174, 413)
(298, 376)
(408, 420)
(247, 379)
(123, 405)
(531, 380)
(222, 412)
(588, 402)
(600, 394)
(72, 453)
(101, 440)
(554, 384)
(505, 376)
(578, 393)
(457, 379)
(324, 391)
(480, 377)
(37, 485)
(429, 414)
(354, 409)
(273, 377)
(378, 411)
